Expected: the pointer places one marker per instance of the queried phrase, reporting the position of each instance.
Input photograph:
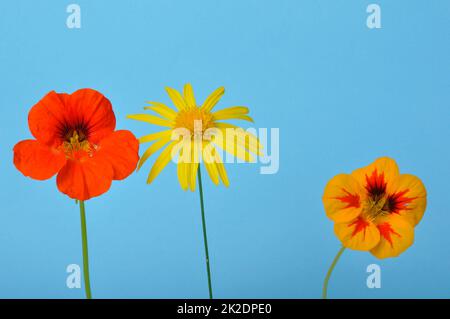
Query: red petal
(37, 160)
(121, 150)
(47, 117)
(56, 113)
(94, 110)
(85, 178)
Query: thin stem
(87, 285)
(205, 238)
(327, 278)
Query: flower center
(375, 207)
(76, 141)
(195, 120)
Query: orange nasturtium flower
(75, 138)
(204, 136)
(375, 208)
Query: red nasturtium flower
(75, 138)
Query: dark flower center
(67, 132)
(75, 139)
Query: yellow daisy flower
(195, 133)
(205, 132)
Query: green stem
(87, 285)
(205, 238)
(327, 278)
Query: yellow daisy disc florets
(194, 119)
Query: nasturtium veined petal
(358, 234)
(407, 197)
(343, 198)
(397, 235)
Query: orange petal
(94, 110)
(359, 234)
(343, 198)
(37, 160)
(397, 234)
(408, 197)
(121, 150)
(85, 178)
(47, 117)
(378, 176)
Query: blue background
(341, 94)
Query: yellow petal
(212, 99)
(343, 198)
(182, 174)
(229, 144)
(209, 163)
(150, 119)
(188, 94)
(232, 110)
(247, 143)
(230, 116)
(359, 234)
(154, 136)
(193, 166)
(221, 169)
(161, 162)
(235, 112)
(162, 110)
(252, 138)
(397, 234)
(226, 125)
(245, 139)
(155, 147)
(185, 159)
(176, 98)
